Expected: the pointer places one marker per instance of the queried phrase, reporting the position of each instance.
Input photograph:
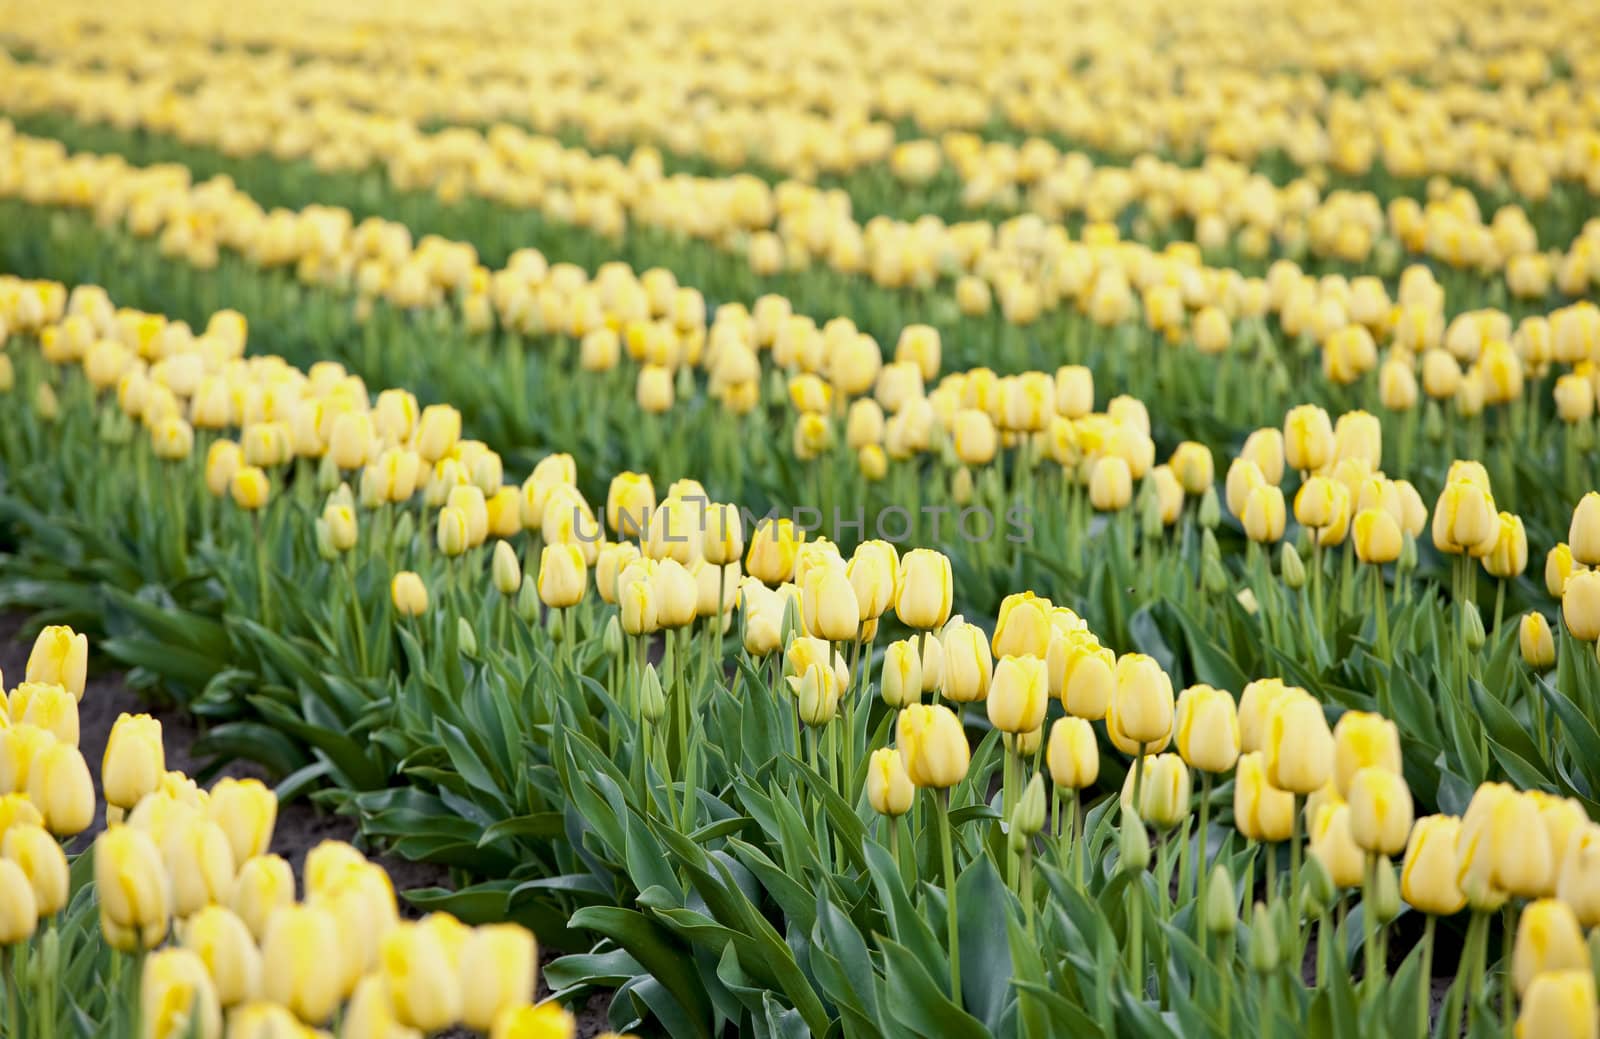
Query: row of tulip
(1223, 206)
(836, 363)
(622, 772)
(178, 922)
(753, 92)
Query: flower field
(848, 521)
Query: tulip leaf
(570, 975)
(920, 1003)
(653, 947)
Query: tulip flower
(1560, 1002)
(497, 973)
(1163, 798)
(1018, 694)
(1536, 642)
(1363, 739)
(19, 912)
(1580, 605)
(1207, 732)
(224, 944)
(1548, 939)
(60, 787)
(1082, 674)
(1073, 756)
(925, 589)
(901, 682)
(409, 594)
(59, 656)
(295, 972)
(832, 611)
(1583, 537)
(1023, 626)
(247, 811)
(968, 668)
(1380, 811)
(563, 576)
(889, 786)
(177, 999)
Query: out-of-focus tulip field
(850, 519)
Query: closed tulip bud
(247, 811)
(60, 787)
(1207, 729)
(1464, 519)
(497, 971)
(1380, 811)
(652, 701)
(1509, 556)
(42, 861)
(1023, 626)
(1133, 845)
(1548, 939)
(437, 432)
(677, 594)
(968, 667)
(1073, 755)
(817, 693)
(262, 886)
(19, 913)
(1018, 694)
(1317, 504)
(1222, 902)
(1428, 876)
(1027, 818)
(1536, 641)
(1578, 881)
(933, 744)
(1110, 484)
(1583, 536)
(1299, 747)
(506, 570)
(1558, 566)
(369, 1014)
(224, 945)
(1261, 811)
(1522, 859)
(961, 488)
(889, 788)
(1142, 700)
(177, 999)
(1574, 396)
(131, 879)
(873, 571)
(294, 967)
(901, 682)
(409, 594)
(637, 602)
(724, 535)
(1378, 538)
(60, 656)
(1082, 674)
(1560, 1003)
(1307, 438)
(1472, 632)
(926, 587)
(1294, 570)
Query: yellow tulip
(1164, 791)
(968, 667)
(723, 538)
(1331, 844)
(247, 811)
(1580, 605)
(831, 609)
(497, 973)
(1082, 674)
(370, 1015)
(773, 549)
(48, 707)
(1363, 739)
(1207, 728)
(1110, 484)
(934, 745)
(1380, 811)
(563, 576)
(262, 886)
(19, 913)
(1298, 745)
(249, 487)
(545, 1021)
(1536, 641)
(60, 656)
(1509, 556)
(422, 983)
(889, 788)
(200, 862)
(1265, 448)
(1464, 519)
(1142, 700)
(1264, 516)
(1560, 1003)
(438, 430)
(1023, 626)
(1307, 438)
(1523, 863)
(926, 588)
(177, 999)
(1018, 694)
(295, 971)
(1428, 877)
(42, 861)
(1260, 811)
(677, 595)
(1073, 756)
(224, 944)
(1558, 566)
(409, 594)
(131, 879)
(1377, 536)
(901, 681)
(60, 787)
(1548, 939)
(1584, 535)
(1192, 465)
(1578, 882)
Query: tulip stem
(1136, 972)
(941, 809)
(1425, 980)
(1138, 782)
(1369, 924)
(1499, 604)
(1200, 878)
(1508, 992)
(13, 985)
(1027, 889)
(1380, 610)
(1295, 828)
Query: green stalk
(1200, 864)
(1369, 926)
(941, 809)
(1425, 986)
(1295, 854)
(1508, 992)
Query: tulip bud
(1363, 739)
(1207, 729)
(47, 707)
(1164, 794)
(131, 880)
(498, 963)
(1428, 877)
(1142, 700)
(1578, 884)
(1548, 939)
(1027, 818)
(506, 570)
(1073, 756)
(652, 701)
(1380, 811)
(1265, 951)
(1522, 863)
(925, 589)
(466, 638)
(177, 999)
(1222, 902)
(1018, 694)
(1536, 641)
(1472, 632)
(1133, 845)
(1318, 893)
(1583, 536)
(901, 683)
(1294, 571)
(1299, 747)
(200, 862)
(968, 668)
